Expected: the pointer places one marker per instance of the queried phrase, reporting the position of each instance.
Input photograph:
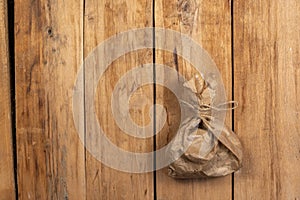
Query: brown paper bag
(209, 155)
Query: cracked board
(209, 24)
(7, 187)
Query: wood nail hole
(49, 31)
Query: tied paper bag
(208, 154)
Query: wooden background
(255, 44)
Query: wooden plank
(102, 20)
(208, 23)
(7, 186)
(267, 85)
(49, 51)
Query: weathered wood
(102, 20)
(208, 23)
(7, 187)
(52, 162)
(49, 51)
(267, 85)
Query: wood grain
(208, 23)
(53, 37)
(7, 187)
(49, 51)
(104, 19)
(267, 85)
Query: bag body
(207, 154)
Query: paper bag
(208, 154)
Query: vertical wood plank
(48, 44)
(104, 19)
(7, 187)
(208, 23)
(267, 85)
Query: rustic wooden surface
(267, 86)
(51, 40)
(7, 187)
(208, 23)
(49, 51)
(103, 20)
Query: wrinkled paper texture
(208, 155)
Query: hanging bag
(208, 154)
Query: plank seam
(154, 103)
(84, 113)
(232, 82)
(11, 46)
